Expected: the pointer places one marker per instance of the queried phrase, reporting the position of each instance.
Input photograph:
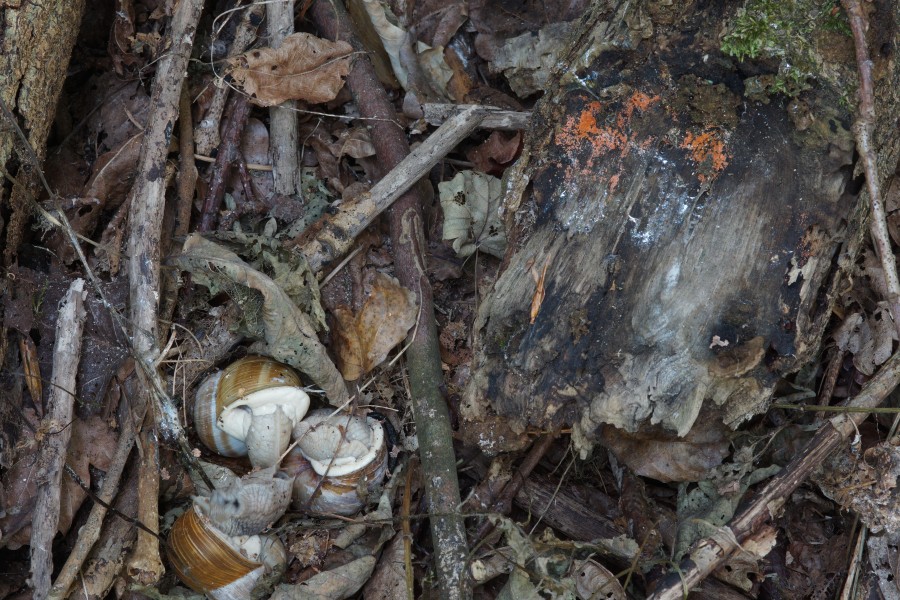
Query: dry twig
(334, 234)
(57, 432)
(430, 410)
(90, 532)
(284, 130)
(864, 128)
(710, 553)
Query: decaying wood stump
(690, 233)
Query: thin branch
(864, 128)
(66, 353)
(430, 410)
(90, 532)
(332, 236)
(709, 554)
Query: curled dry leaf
(288, 334)
(593, 580)
(336, 584)
(363, 340)
(869, 338)
(304, 67)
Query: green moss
(783, 30)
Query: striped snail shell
(249, 409)
(223, 567)
(339, 460)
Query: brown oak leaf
(304, 67)
(363, 340)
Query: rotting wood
(426, 379)
(677, 216)
(57, 432)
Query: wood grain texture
(670, 209)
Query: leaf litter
(702, 477)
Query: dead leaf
(471, 203)
(362, 341)
(527, 61)
(287, 333)
(494, 154)
(354, 142)
(93, 443)
(336, 584)
(304, 67)
(388, 582)
(666, 457)
(869, 338)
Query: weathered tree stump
(692, 233)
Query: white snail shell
(223, 567)
(338, 461)
(248, 505)
(249, 409)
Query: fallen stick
(238, 111)
(334, 235)
(206, 134)
(147, 198)
(494, 118)
(864, 128)
(90, 532)
(57, 430)
(284, 131)
(709, 554)
(426, 380)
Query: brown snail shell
(249, 409)
(339, 460)
(212, 563)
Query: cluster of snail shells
(253, 408)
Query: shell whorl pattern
(228, 402)
(223, 567)
(351, 450)
(205, 416)
(204, 558)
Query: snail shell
(249, 409)
(248, 505)
(212, 563)
(339, 460)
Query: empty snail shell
(248, 505)
(249, 409)
(338, 461)
(223, 567)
